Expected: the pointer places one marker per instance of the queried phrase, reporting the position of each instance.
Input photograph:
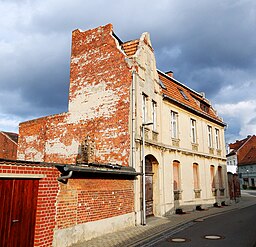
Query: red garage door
(17, 212)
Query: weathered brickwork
(99, 106)
(79, 201)
(8, 148)
(88, 200)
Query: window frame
(154, 115)
(193, 130)
(210, 140)
(174, 125)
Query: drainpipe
(133, 118)
(65, 178)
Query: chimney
(169, 73)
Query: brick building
(123, 112)
(8, 145)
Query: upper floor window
(183, 94)
(193, 130)
(174, 124)
(217, 138)
(144, 108)
(154, 114)
(209, 130)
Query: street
(235, 228)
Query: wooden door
(149, 194)
(149, 187)
(17, 212)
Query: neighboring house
(8, 145)
(242, 156)
(123, 112)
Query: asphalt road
(233, 229)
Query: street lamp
(248, 177)
(144, 173)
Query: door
(149, 194)
(17, 212)
(149, 187)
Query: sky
(209, 45)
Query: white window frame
(193, 130)
(154, 114)
(174, 125)
(144, 108)
(210, 142)
(217, 138)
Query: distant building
(125, 112)
(8, 145)
(242, 160)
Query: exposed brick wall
(81, 200)
(8, 149)
(99, 106)
(88, 200)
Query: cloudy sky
(210, 46)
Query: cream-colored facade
(185, 173)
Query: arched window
(176, 175)
(196, 176)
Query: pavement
(159, 226)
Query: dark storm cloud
(210, 46)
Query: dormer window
(204, 107)
(183, 94)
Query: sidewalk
(136, 235)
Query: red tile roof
(181, 94)
(238, 143)
(250, 157)
(130, 47)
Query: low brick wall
(85, 198)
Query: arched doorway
(151, 166)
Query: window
(144, 108)
(174, 125)
(212, 176)
(176, 175)
(154, 114)
(183, 94)
(193, 130)
(196, 176)
(217, 138)
(220, 177)
(204, 107)
(209, 129)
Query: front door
(149, 187)
(17, 212)
(149, 194)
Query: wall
(99, 106)
(87, 206)
(8, 148)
